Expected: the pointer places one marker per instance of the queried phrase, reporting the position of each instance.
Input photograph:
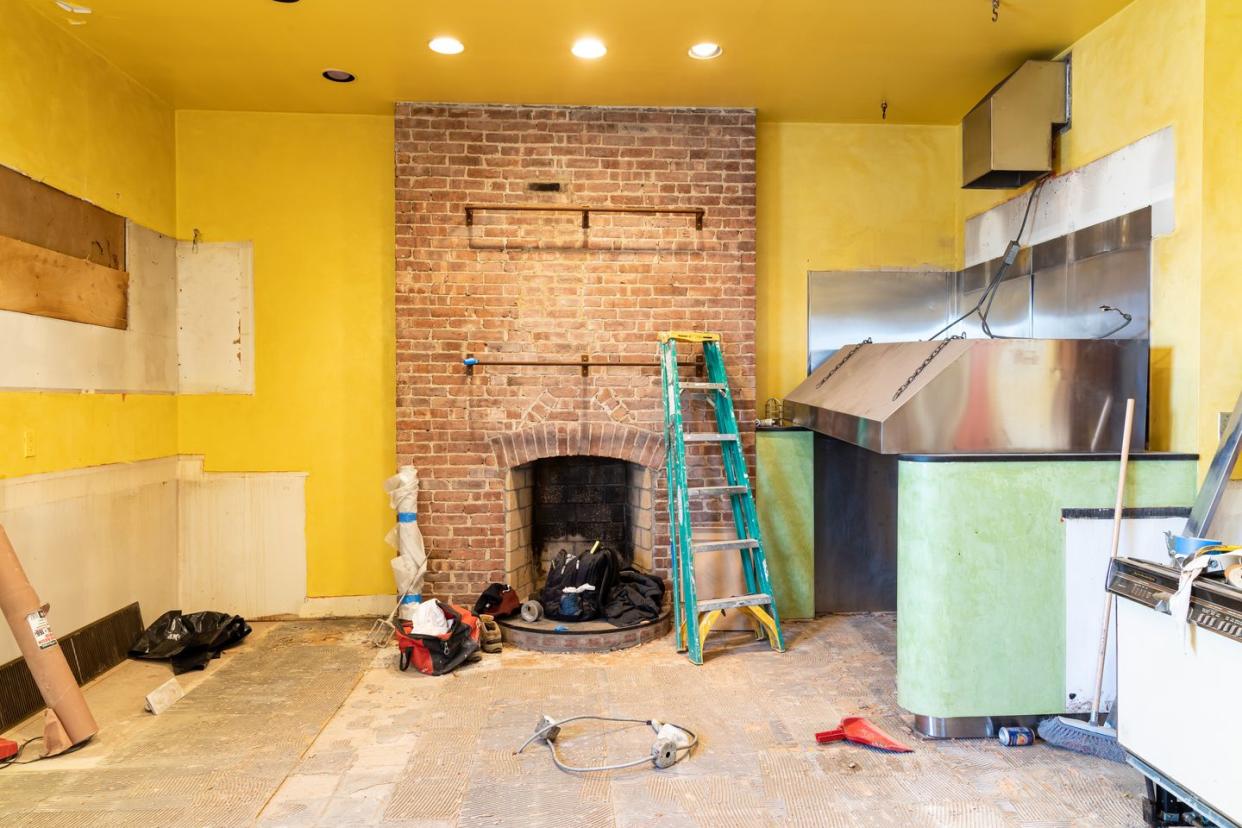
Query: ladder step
(709, 437)
(716, 546)
(756, 600)
(702, 386)
(708, 491)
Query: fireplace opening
(569, 503)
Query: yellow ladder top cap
(689, 336)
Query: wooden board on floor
(35, 213)
(43, 282)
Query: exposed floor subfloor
(304, 726)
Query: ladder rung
(708, 491)
(756, 600)
(709, 437)
(716, 546)
(702, 386)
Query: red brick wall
(537, 286)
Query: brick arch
(598, 439)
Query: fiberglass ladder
(693, 619)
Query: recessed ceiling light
(286, 1)
(338, 76)
(73, 8)
(446, 46)
(705, 51)
(589, 48)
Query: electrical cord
(1127, 319)
(15, 759)
(552, 728)
(989, 292)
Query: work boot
(489, 634)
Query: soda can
(1015, 736)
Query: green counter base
(981, 574)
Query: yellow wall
(843, 197)
(315, 194)
(71, 119)
(1220, 334)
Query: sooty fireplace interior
(570, 502)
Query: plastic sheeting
(189, 640)
(410, 565)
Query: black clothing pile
(636, 598)
(189, 641)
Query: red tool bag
(436, 655)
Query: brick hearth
(537, 286)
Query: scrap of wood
(43, 282)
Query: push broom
(1091, 737)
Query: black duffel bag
(578, 584)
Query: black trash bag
(635, 599)
(596, 570)
(189, 641)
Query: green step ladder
(693, 618)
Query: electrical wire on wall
(984, 305)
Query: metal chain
(943, 344)
(837, 367)
(995, 10)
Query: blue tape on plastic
(407, 517)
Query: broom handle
(1108, 596)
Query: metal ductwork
(1007, 137)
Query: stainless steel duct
(1007, 137)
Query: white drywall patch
(1139, 175)
(215, 317)
(46, 354)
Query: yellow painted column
(1220, 331)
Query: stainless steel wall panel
(885, 305)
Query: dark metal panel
(855, 528)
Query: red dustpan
(858, 730)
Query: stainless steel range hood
(1007, 137)
(973, 396)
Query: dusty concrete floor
(302, 726)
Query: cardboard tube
(27, 618)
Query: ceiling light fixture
(72, 8)
(446, 46)
(589, 48)
(286, 1)
(706, 51)
(339, 76)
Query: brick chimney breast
(534, 286)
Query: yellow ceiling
(795, 60)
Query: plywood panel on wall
(35, 213)
(43, 282)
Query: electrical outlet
(28, 443)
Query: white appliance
(1180, 717)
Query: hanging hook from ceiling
(883, 109)
(995, 10)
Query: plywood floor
(302, 726)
